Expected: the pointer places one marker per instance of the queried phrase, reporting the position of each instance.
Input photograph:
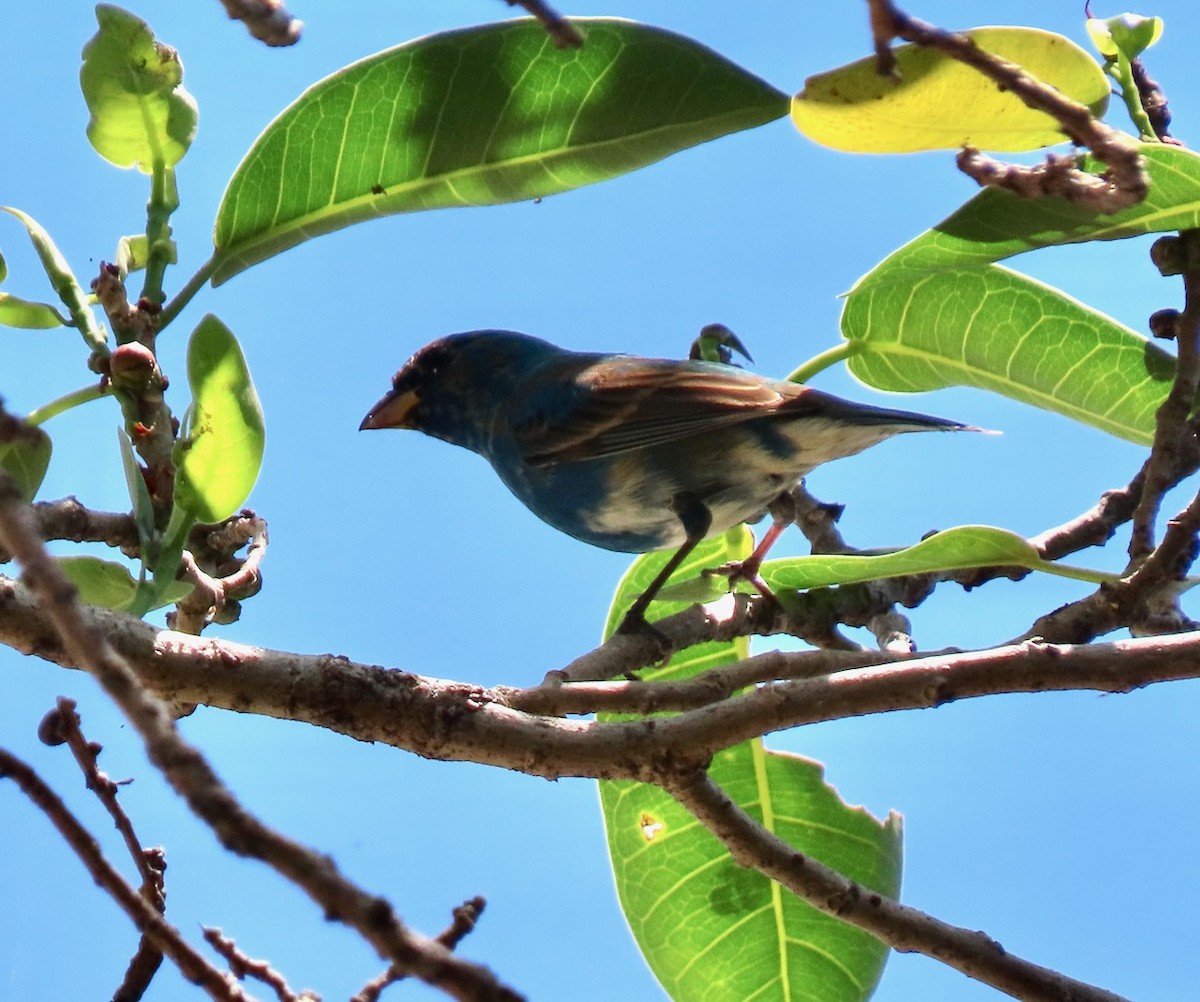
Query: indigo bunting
(630, 453)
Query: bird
(631, 453)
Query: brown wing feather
(618, 407)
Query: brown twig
(62, 725)
(1124, 184)
(465, 917)
(140, 911)
(244, 966)
(220, 580)
(190, 775)
(561, 31)
(1172, 434)
(899, 926)
(266, 20)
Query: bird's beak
(396, 410)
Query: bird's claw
(635, 624)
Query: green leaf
(480, 116)
(100, 582)
(110, 585)
(139, 496)
(939, 103)
(708, 928)
(1127, 34)
(712, 930)
(141, 113)
(63, 280)
(133, 252)
(218, 462)
(960, 548)
(27, 314)
(26, 460)
(1001, 331)
(997, 224)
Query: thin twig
(465, 917)
(1124, 184)
(143, 915)
(244, 966)
(267, 20)
(561, 31)
(62, 725)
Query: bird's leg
(783, 514)
(697, 520)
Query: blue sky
(1043, 820)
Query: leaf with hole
(707, 927)
(141, 115)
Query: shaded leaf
(110, 585)
(139, 496)
(708, 928)
(218, 461)
(997, 224)
(28, 315)
(63, 280)
(939, 103)
(1001, 331)
(479, 116)
(141, 115)
(26, 460)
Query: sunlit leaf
(479, 116)
(940, 103)
(62, 279)
(708, 928)
(133, 85)
(218, 462)
(998, 330)
(960, 548)
(1127, 34)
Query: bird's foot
(636, 625)
(745, 570)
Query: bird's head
(452, 386)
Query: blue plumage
(629, 453)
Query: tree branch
(140, 911)
(85, 643)
(441, 719)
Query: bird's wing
(621, 404)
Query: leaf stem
(184, 296)
(83, 395)
(64, 282)
(164, 200)
(1121, 71)
(823, 361)
(1076, 573)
